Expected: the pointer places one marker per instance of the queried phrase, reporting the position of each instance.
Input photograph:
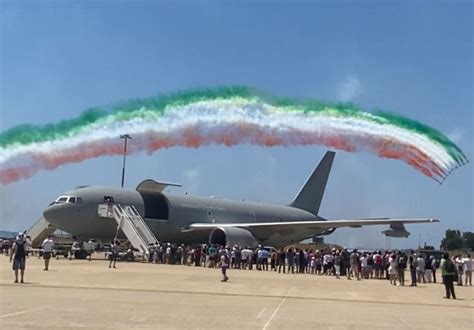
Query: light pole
(126, 137)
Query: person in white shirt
(224, 264)
(168, 254)
(363, 263)
(47, 246)
(393, 269)
(468, 270)
(420, 269)
(460, 268)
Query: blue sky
(411, 57)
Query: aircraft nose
(55, 213)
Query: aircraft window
(79, 200)
(72, 200)
(62, 199)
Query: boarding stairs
(39, 231)
(134, 227)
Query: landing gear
(80, 254)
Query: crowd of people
(351, 264)
(390, 265)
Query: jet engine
(230, 236)
(396, 230)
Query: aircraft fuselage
(165, 214)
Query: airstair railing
(133, 226)
(140, 224)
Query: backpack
(450, 268)
(20, 252)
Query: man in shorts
(47, 246)
(18, 255)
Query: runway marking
(277, 309)
(21, 312)
(261, 312)
(234, 294)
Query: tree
(468, 240)
(452, 240)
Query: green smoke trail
(26, 134)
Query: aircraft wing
(310, 225)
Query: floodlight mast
(125, 137)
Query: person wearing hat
(18, 256)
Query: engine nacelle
(396, 233)
(230, 236)
(396, 230)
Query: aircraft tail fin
(310, 196)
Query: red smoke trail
(231, 135)
(11, 175)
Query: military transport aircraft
(191, 219)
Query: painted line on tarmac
(233, 294)
(21, 312)
(277, 309)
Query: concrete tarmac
(87, 294)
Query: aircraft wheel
(81, 254)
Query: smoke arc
(225, 116)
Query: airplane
(191, 219)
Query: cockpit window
(61, 199)
(67, 199)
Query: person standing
(197, 256)
(273, 260)
(434, 267)
(460, 268)
(212, 256)
(393, 269)
(281, 260)
(413, 265)
(402, 265)
(113, 253)
(47, 246)
(468, 270)
(420, 269)
(448, 269)
(301, 262)
(224, 264)
(363, 264)
(264, 259)
(337, 264)
(354, 259)
(290, 257)
(18, 256)
(428, 269)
